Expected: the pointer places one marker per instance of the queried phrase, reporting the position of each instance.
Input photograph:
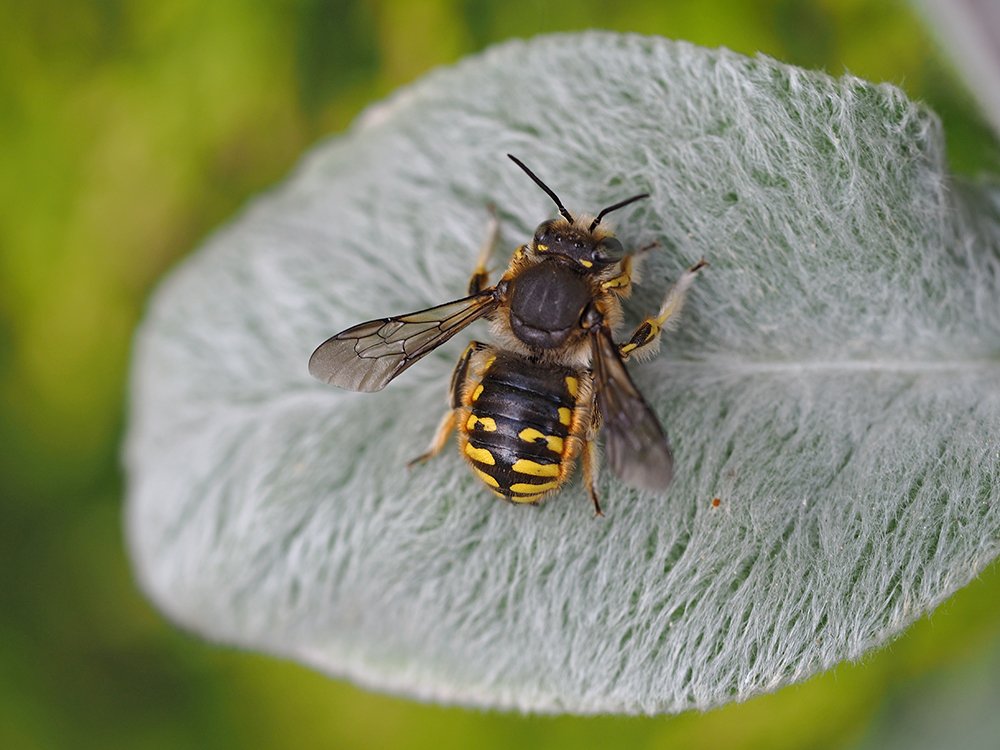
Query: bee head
(575, 239)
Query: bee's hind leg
(444, 430)
(459, 378)
(590, 472)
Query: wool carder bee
(526, 407)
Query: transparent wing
(367, 356)
(637, 448)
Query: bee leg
(590, 471)
(621, 284)
(591, 461)
(441, 436)
(458, 380)
(646, 338)
(481, 277)
(461, 374)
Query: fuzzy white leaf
(835, 383)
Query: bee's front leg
(621, 285)
(646, 338)
(481, 276)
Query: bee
(527, 407)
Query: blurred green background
(128, 131)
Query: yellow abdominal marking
(537, 488)
(524, 466)
(486, 477)
(572, 385)
(525, 499)
(553, 442)
(481, 455)
(564, 415)
(478, 392)
(486, 423)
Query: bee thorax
(546, 303)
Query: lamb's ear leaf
(835, 384)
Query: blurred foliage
(130, 130)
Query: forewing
(367, 356)
(636, 447)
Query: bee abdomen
(518, 428)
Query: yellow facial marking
(572, 385)
(485, 423)
(524, 498)
(541, 248)
(564, 415)
(585, 263)
(533, 487)
(481, 455)
(518, 254)
(478, 392)
(490, 481)
(553, 442)
(535, 469)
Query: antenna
(562, 209)
(615, 207)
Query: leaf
(835, 383)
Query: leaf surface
(835, 383)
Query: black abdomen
(519, 426)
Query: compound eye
(543, 234)
(608, 250)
